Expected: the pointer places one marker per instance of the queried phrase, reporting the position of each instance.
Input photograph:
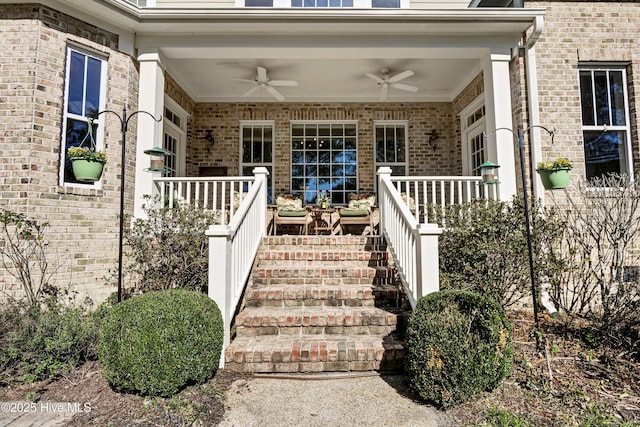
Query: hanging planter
(87, 170)
(555, 174)
(87, 163)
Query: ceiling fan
(263, 82)
(387, 81)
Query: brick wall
(576, 32)
(83, 233)
(224, 121)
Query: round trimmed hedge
(458, 344)
(159, 342)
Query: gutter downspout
(534, 136)
(533, 106)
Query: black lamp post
(124, 126)
(520, 137)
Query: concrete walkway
(327, 400)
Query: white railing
(232, 250)
(427, 194)
(221, 194)
(413, 245)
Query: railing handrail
(414, 246)
(395, 178)
(204, 179)
(232, 251)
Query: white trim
(471, 108)
(99, 137)
(177, 132)
(267, 165)
(377, 165)
(608, 67)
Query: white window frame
(376, 164)
(271, 166)
(179, 133)
(469, 131)
(626, 128)
(99, 121)
(325, 122)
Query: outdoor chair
(290, 212)
(359, 212)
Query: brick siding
(224, 121)
(83, 232)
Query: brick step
(314, 320)
(317, 353)
(294, 294)
(294, 254)
(320, 274)
(324, 242)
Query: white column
(498, 114)
(149, 135)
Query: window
(174, 139)
(324, 158)
(258, 3)
(391, 146)
(357, 4)
(257, 150)
(472, 121)
(321, 3)
(605, 121)
(85, 88)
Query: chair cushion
(287, 202)
(362, 201)
(354, 212)
(290, 213)
(411, 203)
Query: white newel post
(261, 174)
(427, 257)
(383, 173)
(220, 276)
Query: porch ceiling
(329, 53)
(329, 77)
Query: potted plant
(555, 174)
(323, 199)
(87, 162)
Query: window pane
(385, 3)
(76, 83)
(258, 3)
(617, 98)
(604, 153)
(586, 97)
(76, 133)
(93, 86)
(602, 98)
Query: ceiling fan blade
(283, 83)
(262, 74)
(277, 95)
(403, 86)
(384, 92)
(252, 90)
(403, 75)
(374, 77)
(244, 80)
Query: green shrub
(159, 342)
(168, 249)
(458, 345)
(42, 343)
(484, 247)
